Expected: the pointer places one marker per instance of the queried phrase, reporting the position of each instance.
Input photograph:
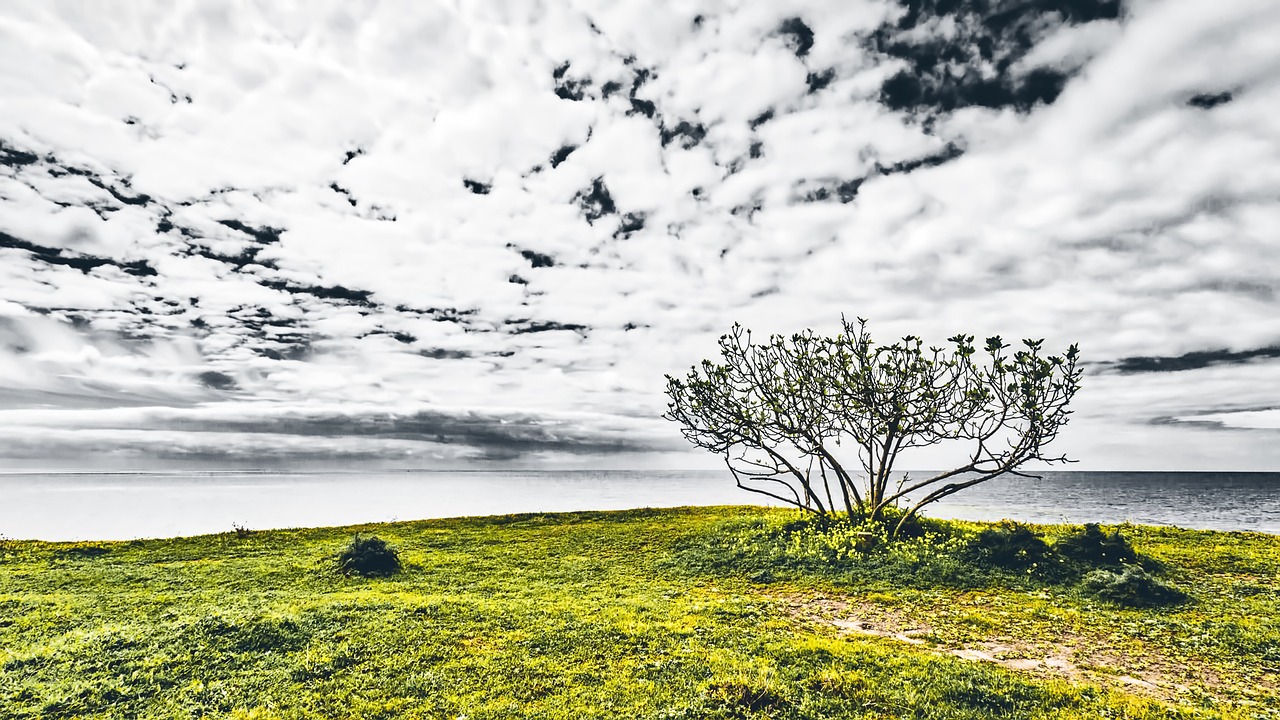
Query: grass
(689, 613)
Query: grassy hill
(688, 613)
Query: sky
(478, 234)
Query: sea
(129, 505)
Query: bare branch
(797, 400)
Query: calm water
(66, 506)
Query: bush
(738, 697)
(1096, 548)
(368, 556)
(1011, 546)
(781, 548)
(915, 526)
(1133, 587)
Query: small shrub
(241, 634)
(368, 556)
(1133, 587)
(1011, 546)
(1094, 547)
(781, 547)
(240, 530)
(83, 551)
(820, 541)
(739, 695)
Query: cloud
(1267, 419)
(267, 211)
(1194, 360)
(239, 430)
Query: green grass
(691, 613)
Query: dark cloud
(1192, 360)
(947, 154)
(347, 193)
(442, 354)
(640, 106)
(525, 327)
(1216, 419)
(844, 191)
(977, 64)
(1205, 101)
(139, 199)
(80, 261)
(331, 292)
(689, 134)
(640, 76)
(595, 201)
(761, 119)
(265, 235)
(475, 435)
(818, 81)
(568, 87)
(562, 154)
(442, 314)
(118, 189)
(798, 35)
(15, 158)
(537, 259)
(631, 223)
(247, 256)
(476, 187)
(216, 380)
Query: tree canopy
(819, 421)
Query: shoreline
(570, 515)
(124, 507)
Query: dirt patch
(1065, 655)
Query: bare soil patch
(1066, 654)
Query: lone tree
(790, 414)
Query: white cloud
(1118, 215)
(1071, 46)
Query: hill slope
(609, 615)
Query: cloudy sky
(456, 234)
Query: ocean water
(127, 505)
